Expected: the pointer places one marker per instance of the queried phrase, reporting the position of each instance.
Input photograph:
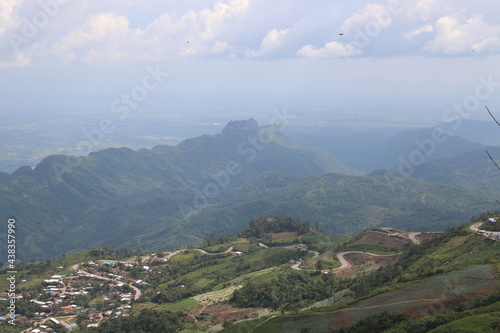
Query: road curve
(413, 237)
(475, 226)
(343, 261)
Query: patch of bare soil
(220, 312)
(423, 236)
(285, 235)
(362, 262)
(397, 242)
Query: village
(92, 292)
(491, 235)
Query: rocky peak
(241, 126)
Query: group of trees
(291, 290)
(262, 225)
(145, 321)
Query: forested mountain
(471, 169)
(343, 204)
(372, 151)
(172, 196)
(111, 195)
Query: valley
(204, 289)
(173, 196)
(245, 166)
(159, 238)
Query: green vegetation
(185, 304)
(290, 291)
(453, 266)
(144, 321)
(446, 278)
(484, 323)
(154, 198)
(262, 226)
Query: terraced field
(425, 298)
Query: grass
(184, 305)
(216, 296)
(372, 248)
(184, 256)
(67, 320)
(244, 327)
(223, 247)
(203, 282)
(253, 275)
(320, 241)
(465, 281)
(468, 282)
(484, 323)
(245, 248)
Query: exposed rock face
(241, 126)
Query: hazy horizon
(186, 64)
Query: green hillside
(69, 203)
(446, 284)
(343, 204)
(271, 280)
(373, 151)
(471, 169)
(169, 197)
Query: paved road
(137, 292)
(475, 226)
(343, 261)
(216, 253)
(413, 237)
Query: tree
(319, 265)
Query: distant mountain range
(170, 196)
(472, 169)
(373, 151)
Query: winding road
(343, 261)
(413, 237)
(475, 226)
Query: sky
(408, 58)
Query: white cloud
(424, 8)
(20, 60)
(6, 14)
(367, 22)
(425, 28)
(372, 13)
(271, 42)
(101, 39)
(212, 19)
(108, 37)
(329, 50)
(454, 37)
(155, 30)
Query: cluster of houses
(492, 235)
(60, 295)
